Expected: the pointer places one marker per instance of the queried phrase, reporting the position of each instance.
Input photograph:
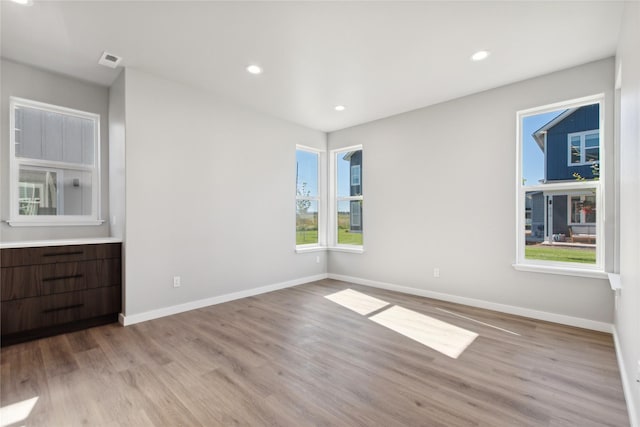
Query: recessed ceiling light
(23, 2)
(254, 69)
(339, 108)
(480, 55)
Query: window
(561, 190)
(355, 175)
(307, 197)
(584, 147)
(54, 164)
(346, 222)
(582, 209)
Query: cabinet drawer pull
(64, 253)
(67, 307)
(73, 276)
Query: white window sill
(353, 250)
(61, 223)
(306, 249)
(566, 271)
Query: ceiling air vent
(109, 60)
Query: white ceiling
(376, 58)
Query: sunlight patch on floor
(478, 321)
(17, 412)
(448, 339)
(357, 301)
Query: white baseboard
(626, 385)
(510, 309)
(131, 319)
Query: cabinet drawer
(19, 282)
(47, 279)
(12, 257)
(103, 272)
(62, 277)
(32, 313)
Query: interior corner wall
(439, 192)
(627, 316)
(40, 85)
(210, 192)
(117, 156)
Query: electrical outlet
(436, 272)
(318, 259)
(176, 281)
(638, 372)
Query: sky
(532, 155)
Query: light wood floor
(294, 358)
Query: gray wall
(117, 154)
(209, 196)
(627, 317)
(440, 192)
(44, 86)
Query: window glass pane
(349, 173)
(355, 175)
(560, 227)
(592, 140)
(350, 222)
(534, 138)
(54, 136)
(306, 222)
(591, 155)
(583, 209)
(48, 191)
(575, 150)
(306, 173)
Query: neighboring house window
(54, 164)
(346, 222)
(582, 209)
(561, 190)
(308, 204)
(355, 175)
(584, 147)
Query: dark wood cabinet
(53, 289)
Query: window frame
(596, 270)
(583, 147)
(15, 163)
(320, 198)
(334, 200)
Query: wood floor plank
(295, 358)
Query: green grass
(306, 237)
(546, 253)
(347, 238)
(344, 237)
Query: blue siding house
(571, 147)
(355, 189)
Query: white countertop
(59, 242)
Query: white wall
(44, 86)
(439, 191)
(210, 193)
(627, 316)
(117, 183)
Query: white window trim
(583, 147)
(565, 268)
(333, 203)
(17, 220)
(320, 198)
